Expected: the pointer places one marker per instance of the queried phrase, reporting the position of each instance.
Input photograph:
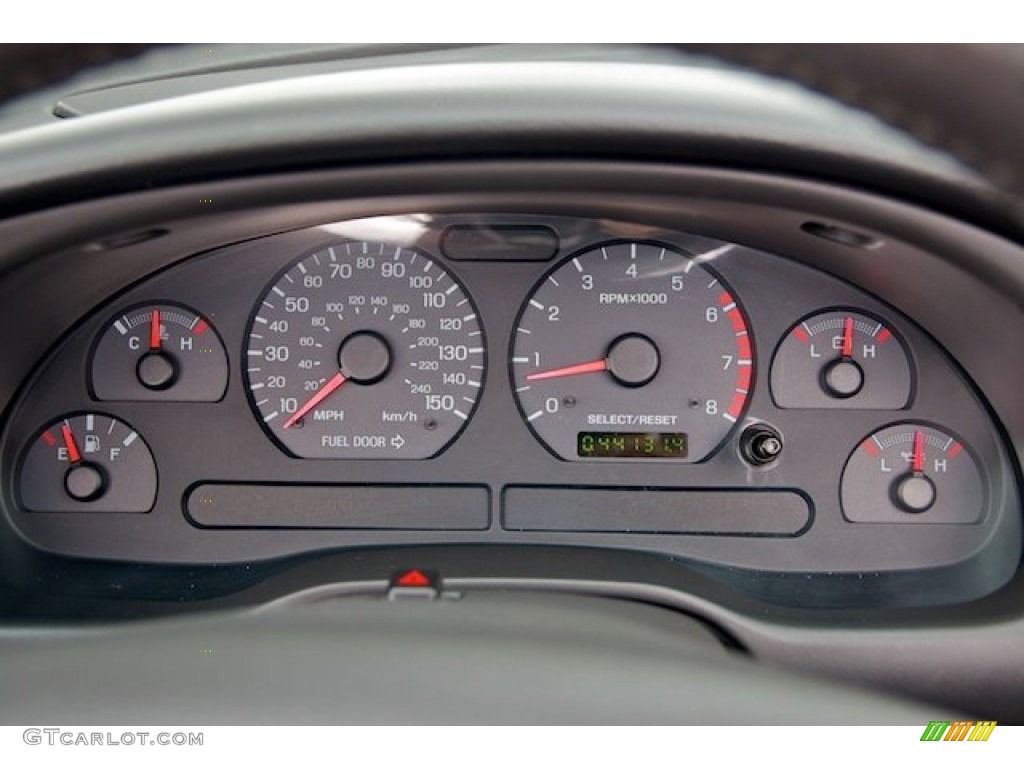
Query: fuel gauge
(159, 352)
(87, 462)
(912, 473)
(841, 359)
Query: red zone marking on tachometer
(744, 372)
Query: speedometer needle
(595, 366)
(321, 394)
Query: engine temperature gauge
(912, 473)
(841, 359)
(159, 352)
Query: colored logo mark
(960, 730)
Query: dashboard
(534, 329)
(480, 378)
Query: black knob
(760, 444)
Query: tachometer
(632, 351)
(365, 350)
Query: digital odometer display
(631, 445)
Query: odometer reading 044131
(632, 351)
(365, 350)
(631, 445)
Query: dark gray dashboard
(229, 492)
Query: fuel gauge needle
(594, 366)
(321, 394)
(69, 443)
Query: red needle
(918, 465)
(321, 394)
(69, 442)
(848, 338)
(595, 366)
(154, 331)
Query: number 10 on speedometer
(365, 350)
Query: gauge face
(365, 350)
(632, 351)
(841, 359)
(88, 462)
(159, 352)
(910, 473)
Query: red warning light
(413, 578)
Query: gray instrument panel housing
(922, 564)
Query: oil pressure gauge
(159, 352)
(841, 359)
(912, 473)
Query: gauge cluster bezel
(498, 451)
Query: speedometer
(632, 351)
(365, 350)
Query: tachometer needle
(848, 338)
(69, 444)
(594, 366)
(321, 394)
(154, 331)
(918, 461)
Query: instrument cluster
(502, 378)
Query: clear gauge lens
(87, 463)
(912, 473)
(365, 350)
(841, 359)
(632, 351)
(159, 352)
